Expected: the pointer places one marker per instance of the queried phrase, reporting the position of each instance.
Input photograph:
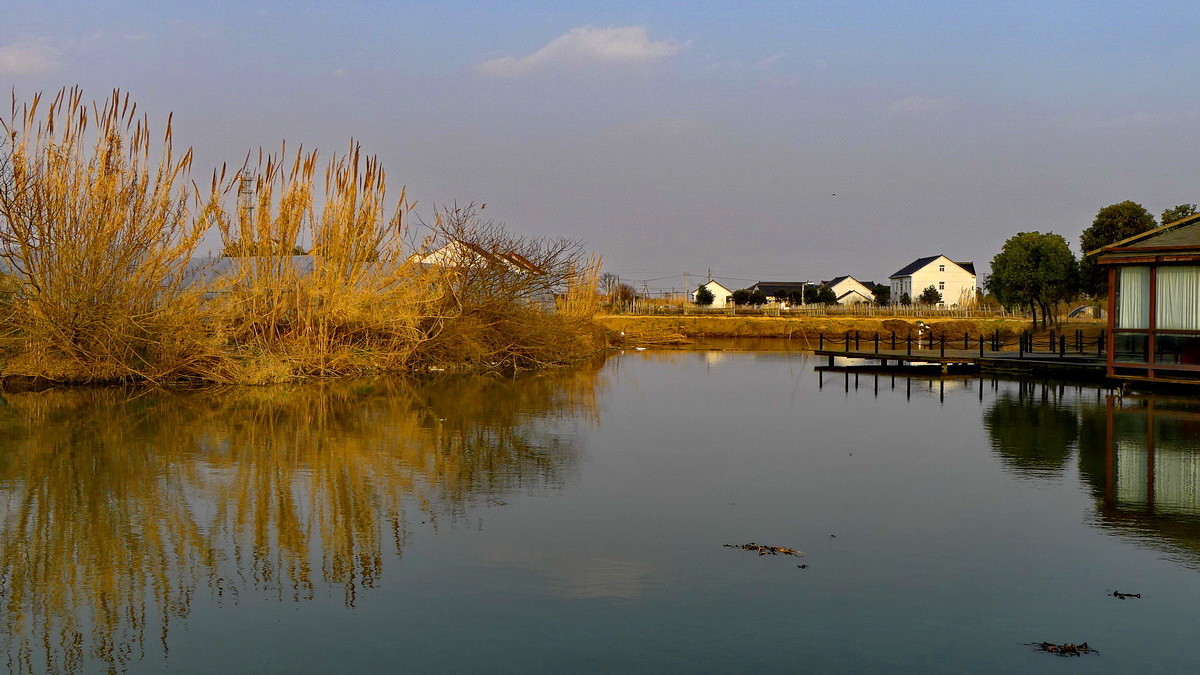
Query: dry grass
(97, 239)
(98, 235)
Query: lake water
(576, 522)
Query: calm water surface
(576, 521)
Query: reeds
(97, 240)
(98, 235)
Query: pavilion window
(1178, 293)
(1133, 297)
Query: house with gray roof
(954, 280)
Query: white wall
(852, 284)
(722, 297)
(956, 285)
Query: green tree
(882, 293)
(930, 296)
(1034, 270)
(905, 299)
(825, 296)
(741, 297)
(1113, 223)
(758, 297)
(704, 297)
(1177, 213)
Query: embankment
(668, 330)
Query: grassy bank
(100, 228)
(665, 331)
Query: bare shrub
(510, 303)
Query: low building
(722, 297)
(954, 280)
(850, 291)
(1154, 303)
(780, 291)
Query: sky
(759, 140)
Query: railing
(1054, 343)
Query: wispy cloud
(917, 106)
(28, 57)
(586, 47)
(770, 60)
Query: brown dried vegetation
(100, 227)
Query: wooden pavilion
(1154, 304)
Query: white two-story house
(954, 280)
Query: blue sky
(763, 140)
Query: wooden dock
(949, 360)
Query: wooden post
(1062, 346)
(847, 341)
(981, 346)
(1100, 343)
(943, 345)
(893, 340)
(821, 340)
(908, 344)
(876, 342)
(967, 340)
(1021, 348)
(856, 336)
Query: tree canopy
(930, 296)
(882, 293)
(1177, 213)
(704, 297)
(1034, 270)
(1113, 223)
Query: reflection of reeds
(117, 508)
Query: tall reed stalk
(96, 230)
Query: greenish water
(576, 522)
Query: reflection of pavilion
(1151, 474)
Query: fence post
(821, 340)
(981, 345)
(943, 345)
(847, 340)
(1062, 346)
(893, 340)
(1021, 348)
(876, 342)
(908, 344)
(1100, 344)
(966, 340)
(856, 335)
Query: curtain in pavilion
(1133, 297)
(1178, 291)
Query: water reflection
(1031, 431)
(1138, 456)
(1146, 473)
(118, 507)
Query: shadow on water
(118, 507)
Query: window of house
(941, 268)
(941, 285)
